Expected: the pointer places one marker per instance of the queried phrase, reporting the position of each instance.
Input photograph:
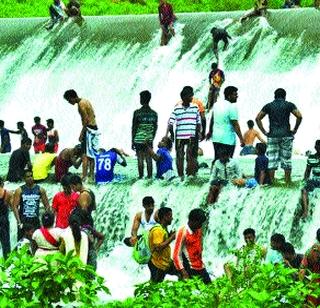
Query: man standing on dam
(280, 135)
(89, 136)
(167, 19)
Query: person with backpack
(187, 255)
(160, 263)
(47, 237)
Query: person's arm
(156, 218)
(56, 136)
(260, 138)
(33, 132)
(44, 199)
(8, 199)
(262, 176)
(204, 125)
(209, 134)
(154, 155)
(298, 116)
(100, 238)
(177, 254)
(307, 172)
(135, 227)
(155, 127)
(160, 246)
(13, 131)
(259, 118)
(82, 108)
(237, 129)
(84, 200)
(170, 125)
(53, 162)
(133, 129)
(120, 157)
(16, 204)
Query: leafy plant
(29, 282)
(258, 286)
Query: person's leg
(192, 154)
(84, 166)
(210, 97)
(5, 236)
(273, 153)
(213, 194)
(164, 36)
(286, 145)
(203, 274)
(180, 156)
(305, 203)
(226, 43)
(91, 168)
(230, 149)
(156, 274)
(149, 162)
(217, 150)
(140, 157)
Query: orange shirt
(189, 244)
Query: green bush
(27, 282)
(34, 8)
(259, 286)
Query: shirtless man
(249, 137)
(89, 133)
(66, 159)
(146, 219)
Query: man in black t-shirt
(19, 160)
(280, 135)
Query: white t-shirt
(223, 113)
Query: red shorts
(56, 147)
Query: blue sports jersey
(105, 162)
(165, 163)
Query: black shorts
(142, 147)
(157, 274)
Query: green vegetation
(27, 282)
(36, 8)
(259, 286)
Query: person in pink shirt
(187, 254)
(40, 135)
(64, 202)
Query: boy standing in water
(89, 135)
(216, 79)
(167, 19)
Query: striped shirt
(186, 120)
(189, 245)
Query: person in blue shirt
(261, 173)
(164, 159)
(105, 162)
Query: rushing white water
(110, 72)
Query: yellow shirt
(42, 165)
(161, 259)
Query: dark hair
(317, 143)
(27, 227)
(26, 141)
(249, 231)
(69, 94)
(186, 92)
(261, 148)
(163, 212)
(197, 215)
(75, 179)
(169, 143)
(147, 200)
(78, 148)
(214, 65)
(288, 248)
(229, 90)
(65, 180)
(47, 219)
(75, 223)
(318, 235)
(49, 148)
(145, 97)
(1, 123)
(278, 238)
(20, 124)
(250, 124)
(50, 121)
(36, 119)
(280, 93)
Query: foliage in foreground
(260, 286)
(35, 8)
(26, 282)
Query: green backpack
(141, 250)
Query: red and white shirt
(189, 244)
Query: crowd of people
(185, 261)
